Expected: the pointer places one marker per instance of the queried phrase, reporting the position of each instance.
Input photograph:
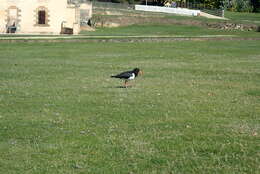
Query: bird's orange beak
(140, 72)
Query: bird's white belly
(132, 77)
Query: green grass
(195, 110)
(253, 18)
(174, 25)
(151, 30)
(167, 30)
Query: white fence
(180, 11)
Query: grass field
(195, 110)
(253, 18)
(167, 30)
(140, 23)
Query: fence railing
(202, 7)
(77, 1)
(216, 12)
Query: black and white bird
(128, 75)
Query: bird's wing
(124, 75)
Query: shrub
(241, 6)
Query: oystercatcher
(128, 75)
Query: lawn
(253, 18)
(172, 30)
(174, 25)
(195, 110)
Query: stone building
(42, 16)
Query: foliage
(241, 6)
(256, 5)
(211, 4)
(233, 5)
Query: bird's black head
(137, 71)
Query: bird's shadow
(123, 87)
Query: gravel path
(36, 39)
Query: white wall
(180, 11)
(72, 19)
(2, 18)
(87, 7)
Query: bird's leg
(125, 84)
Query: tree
(241, 6)
(256, 5)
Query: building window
(41, 17)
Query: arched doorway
(12, 19)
